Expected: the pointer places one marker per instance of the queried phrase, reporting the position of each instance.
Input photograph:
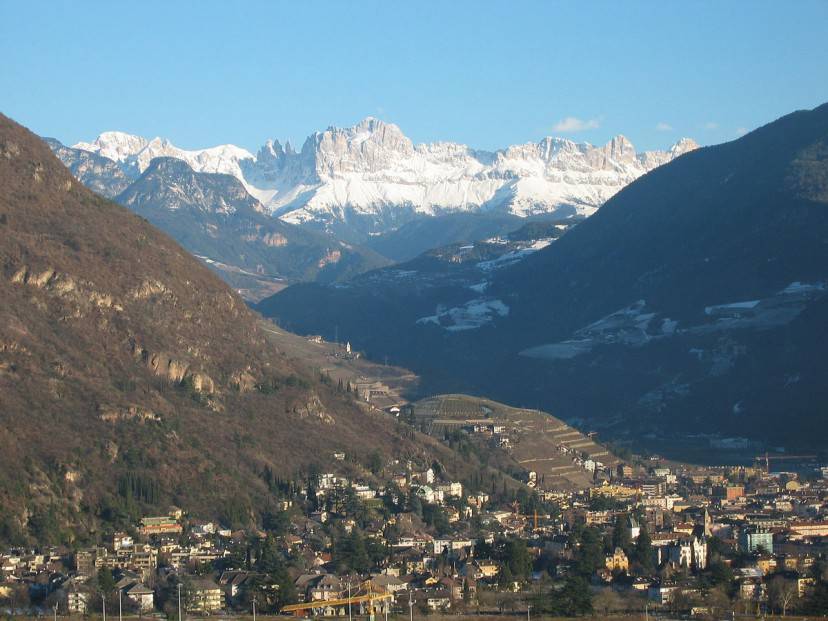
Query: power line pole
(120, 606)
(410, 607)
(254, 609)
(103, 601)
(179, 601)
(350, 618)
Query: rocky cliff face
(171, 184)
(214, 217)
(370, 178)
(136, 153)
(100, 174)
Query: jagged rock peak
(115, 145)
(374, 170)
(684, 145)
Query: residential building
(754, 540)
(159, 525)
(141, 595)
(77, 601)
(204, 596)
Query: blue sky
(487, 74)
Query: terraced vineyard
(517, 439)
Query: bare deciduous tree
(781, 593)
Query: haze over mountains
(693, 300)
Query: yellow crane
(768, 457)
(366, 594)
(533, 516)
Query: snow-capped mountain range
(371, 178)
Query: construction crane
(767, 457)
(515, 506)
(366, 594)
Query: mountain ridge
(371, 178)
(122, 356)
(694, 299)
(216, 219)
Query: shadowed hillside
(132, 378)
(693, 300)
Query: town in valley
(558, 525)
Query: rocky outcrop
(314, 408)
(174, 369)
(151, 288)
(113, 414)
(100, 174)
(25, 277)
(333, 256)
(164, 365)
(243, 381)
(9, 149)
(274, 240)
(202, 383)
(82, 293)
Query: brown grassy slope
(120, 353)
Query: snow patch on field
(514, 256)
(635, 325)
(628, 326)
(728, 308)
(472, 315)
(800, 287)
(479, 287)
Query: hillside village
(403, 537)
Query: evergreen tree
(482, 549)
(434, 516)
(313, 502)
(276, 522)
(350, 553)
(573, 599)
(106, 582)
(590, 555)
(269, 557)
(576, 598)
(359, 559)
(621, 534)
(816, 603)
(505, 577)
(375, 462)
(516, 556)
(271, 565)
(415, 505)
(644, 550)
